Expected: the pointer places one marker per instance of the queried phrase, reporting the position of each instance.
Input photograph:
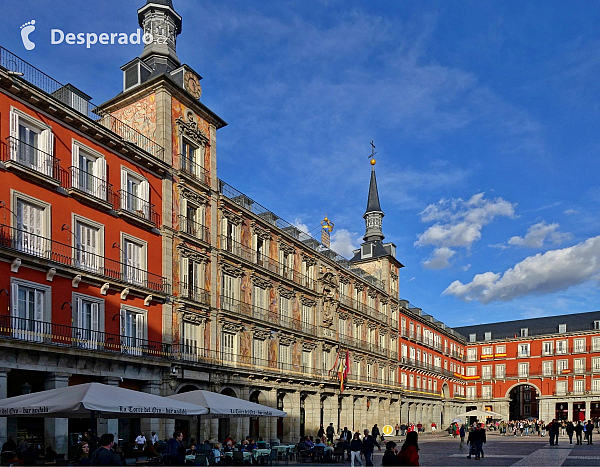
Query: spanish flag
(343, 370)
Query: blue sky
(485, 116)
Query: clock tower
(159, 18)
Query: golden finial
(372, 155)
(327, 224)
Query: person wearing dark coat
(389, 456)
(176, 452)
(589, 429)
(570, 430)
(554, 426)
(578, 432)
(368, 445)
(321, 431)
(471, 441)
(480, 440)
(346, 434)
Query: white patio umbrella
(222, 406)
(96, 399)
(480, 414)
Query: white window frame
(595, 343)
(579, 345)
(486, 372)
(472, 354)
(524, 332)
(88, 338)
(144, 191)
(500, 371)
(548, 348)
(487, 350)
(229, 354)
(488, 336)
(471, 371)
(562, 328)
(523, 352)
(548, 368)
(100, 183)
(45, 231)
(471, 392)
(579, 366)
(45, 140)
(258, 351)
(596, 385)
(24, 329)
(596, 364)
(523, 370)
(130, 344)
(98, 260)
(230, 295)
(578, 386)
(561, 387)
(192, 345)
(197, 282)
(562, 364)
(486, 391)
(501, 349)
(200, 209)
(143, 269)
(564, 344)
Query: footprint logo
(27, 29)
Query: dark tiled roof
(168, 3)
(535, 326)
(373, 200)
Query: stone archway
(524, 401)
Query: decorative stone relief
(189, 253)
(309, 260)
(394, 306)
(308, 301)
(287, 340)
(358, 358)
(329, 285)
(286, 247)
(371, 325)
(231, 216)
(393, 336)
(327, 347)
(285, 292)
(192, 195)
(344, 279)
(230, 326)
(261, 334)
(260, 232)
(357, 321)
(384, 300)
(372, 293)
(234, 270)
(261, 281)
(308, 345)
(370, 361)
(343, 315)
(359, 286)
(191, 130)
(394, 276)
(191, 317)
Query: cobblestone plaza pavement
(502, 451)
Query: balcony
(190, 169)
(31, 162)
(89, 188)
(193, 293)
(85, 339)
(137, 209)
(28, 244)
(523, 354)
(194, 229)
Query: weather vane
(372, 155)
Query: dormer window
(488, 336)
(473, 337)
(562, 328)
(596, 325)
(524, 332)
(367, 250)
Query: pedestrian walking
(570, 430)
(480, 440)
(409, 454)
(462, 436)
(402, 429)
(330, 433)
(321, 431)
(397, 428)
(355, 450)
(376, 433)
(471, 442)
(589, 431)
(554, 427)
(368, 445)
(578, 432)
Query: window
(135, 193)
(258, 352)
(486, 372)
(595, 344)
(31, 142)
(487, 351)
(133, 330)
(306, 360)
(524, 332)
(89, 244)
(561, 347)
(382, 341)
(260, 250)
(403, 379)
(486, 392)
(578, 386)
(471, 392)
(596, 364)
(523, 350)
(412, 381)
(547, 368)
(561, 388)
(562, 366)
(369, 372)
(412, 353)
(527, 409)
(284, 356)
(192, 159)
(500, 371)
(597, 325)
(500, 351)
(562, 328)
(471, 371)
(596, 385)
(88, 171)
(404, 349)
(579, 365)
(134, 260)
(472, 354)
(547, 348)
(30, 308)
(193, 219)
(88, 321)
(306, 315)
(435, 385)
(418, 382)
(231, 234)
(228, 347)
(403, 326)
(32, 222)
(578, 345)
(191, 340)
(284, 311)
(258, 299)
(231, 292)
(523, 370)
(192, 276)
(488, 336)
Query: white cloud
(466, 267)
(570, 212)
(458, 225)
(440, 259)
(300, 225)
(411, 279)
(538, 233)
(343, 242)
(540, 274)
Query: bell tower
(159, 18)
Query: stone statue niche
(329, 284)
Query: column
(56, 430)
(214, 431)
(570, 410)
(404, 412)
(3, 395)
(346, 415)
(588, 409)
(245, 422)
(291, 423)
(148, 425)
(272, 434)
(109, 425)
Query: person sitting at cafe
(320, 443)
(229, 440)
(191, 450)
(309, 442)
(83, 454)
(149, 450)
(9, 449)
(104, 455)
(217, 453)
(252, 444)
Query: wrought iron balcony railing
(138, 207)
(194, 229)
(192, 169)
(89, 184)
(79, 257)
(194, 293)
(32, 158)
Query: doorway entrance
(523, 402)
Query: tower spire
(159, 18)
(373, 215)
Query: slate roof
(373, 199)
(536, 326)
